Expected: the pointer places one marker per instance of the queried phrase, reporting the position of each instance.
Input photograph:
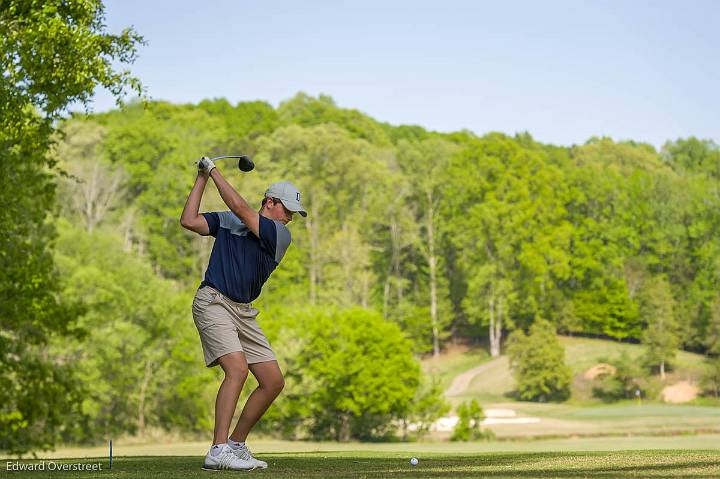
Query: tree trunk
(343, 430)
(98, 194)
(662, 370)
(395, 231)
(365, 299)
(394, 266)
(491, 326)
(311, 223)
(143, 392)
(312, 271)
(90, 196)
(495, 326)
(386, 295)
(499, 325)
(347, 266)
(433, 304)
(127, 227)
(432, 261)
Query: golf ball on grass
(413, 461)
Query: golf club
(244, 161)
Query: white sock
(216, 448)
(235, 444)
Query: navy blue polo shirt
(240, 262)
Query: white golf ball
(414, 461)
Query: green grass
(625, 410)
(275, 446)
(681, 456)
(583, 353)
(660, 463)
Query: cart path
(462, 381)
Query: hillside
(494, 380)
(469, 373)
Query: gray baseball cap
(288, 194)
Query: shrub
(538, 361)
(469, 425)
(711, 377)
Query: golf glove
(205, 165)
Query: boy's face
(277, 211)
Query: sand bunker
(683, 391)
(601, 369)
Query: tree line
(444, 234)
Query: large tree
(505, 212)
(661, 334)
(423, 163)
(54, 53)
(538, 363)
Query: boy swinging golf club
(248, 247)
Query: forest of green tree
(414, 239)
(436, 237)
(446, 235)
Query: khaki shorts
(226, 327)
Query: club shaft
(227, 156)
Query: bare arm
(236, 203)
(190, 218)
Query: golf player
(248, 247)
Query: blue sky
(562, 70)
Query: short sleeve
(213, 221)
(274, 237)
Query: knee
(235, 369)
(237, 372)
(275, 386)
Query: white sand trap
(506, 416)
(492, 416)
(498, 412)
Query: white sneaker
(226, 459)
(244, 454)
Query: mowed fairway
(657, 463)
(684, 456)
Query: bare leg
(236, 371)
(271, 382)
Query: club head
(245, 163)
